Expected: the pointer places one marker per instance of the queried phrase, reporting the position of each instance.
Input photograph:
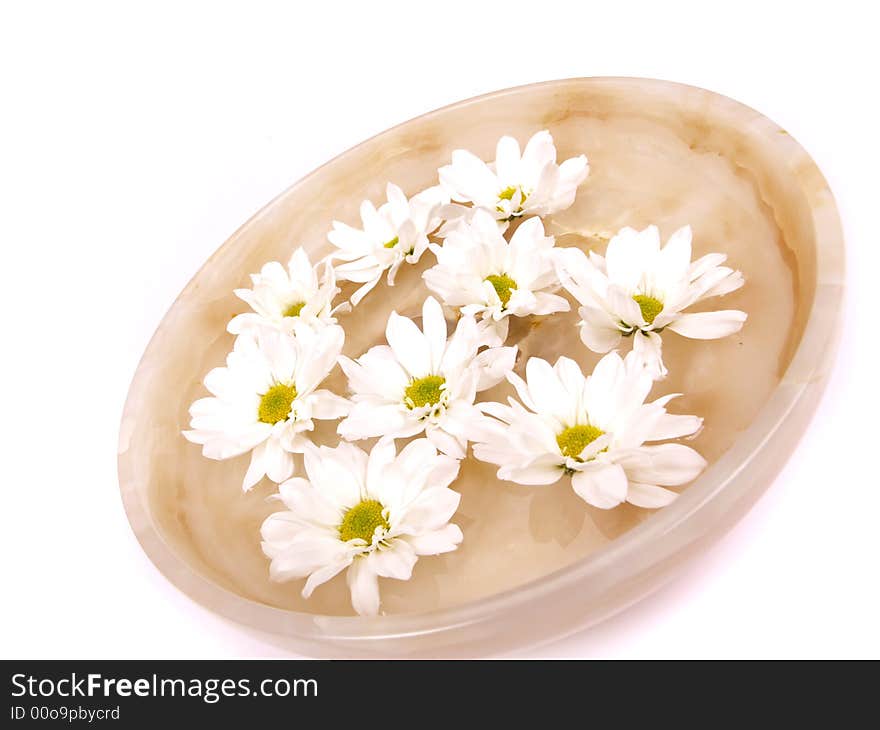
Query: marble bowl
(536, 564)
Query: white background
(135, 138)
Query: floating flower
(396, 232)
(641, 289)
(515, 185)
(265, 398)
(374, 515)
(480, 272)
(592, 429)
(423, 382)
(280, 297)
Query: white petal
(320, 357)
(544, 470)
(649, 496)
(629, 254)
(493, 365)
(595, 447)
(468, 179)
(430, 510)
(573, 171)
(364, 587)
(581, 276)
(367, 287)
(648, 349)
(409, 344)
(709, 325)
(507, 158)
(312, 552)
(434, 325)
(377, 372)
(309, 504)
(705, 263)
(444, 472)
(328, 406)
(446, 443)
(604, 486)
(372, 221)
(674, 260)
(469, 169)
(398, 201)
(256, 469)
(280, 351)
(221, 446)
(381, 455)
(297, 547)
(495, 451)
(278, 462)
(244, 323)
(395, 561)
(528, 240)
(416, 456)
(549, 303)
(462, 345)
(467, 422)
(325, 573)
(625, 307)
(493, 333)
(301, 271)
(435, 542)
(603, 389)
(338, 473)
(598, 331)
(280, 530)
(351, 241)
(522, 390)
(369, 418)
(572, 379)
(403, 479)
(733, 281)
(540, 153)
(722, 277)
(668, 465)
(547, 391)
(670, 426)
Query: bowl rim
(625, 556)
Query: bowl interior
(659, 153)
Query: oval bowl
(661, 152)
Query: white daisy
(422, 381)
(396, 232)
(480, 272)
(593, 430)
(280, 296)
(515, 184)
(265, 398)
(374, 515)
(641, 289)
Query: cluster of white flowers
(373, 513)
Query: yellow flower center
(392, 243)
(276, 402)
(294, 309)
(575, 439)
(361, 521)
(650, 307)
(424, 391)
(503, 286)
(507, 194)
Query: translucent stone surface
(659, 153)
